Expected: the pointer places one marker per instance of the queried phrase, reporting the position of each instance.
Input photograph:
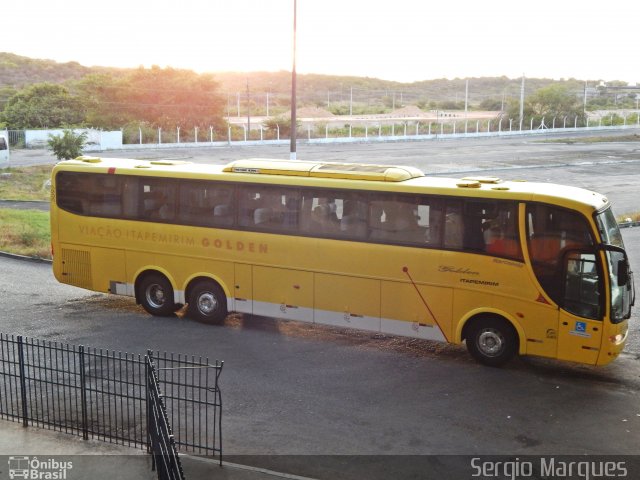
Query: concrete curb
(15, 256)
(629, 224)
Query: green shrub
(68, 145)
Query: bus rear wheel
(156, 295)
(207, 303)
(492, 341)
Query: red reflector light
(111, 170)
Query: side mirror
(623, 273)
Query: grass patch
(635, 217)
(25, 183)
(25, 232)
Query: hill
(326, 91)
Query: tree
(553, 101)
(492, 104)
(68, 145)
(100, 93)
(281, 124)
(43, 105)
(159, 97)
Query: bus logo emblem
(18, 467)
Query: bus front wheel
(492, 341)
(207, 303)
(156, 295)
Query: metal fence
(162, 444)
(345, 131)
(105, 395)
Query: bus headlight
(618, 339)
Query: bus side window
(453, 227)
(72, 191)
(353, 222)
(248, 200)
(223, 213)
(396, 219)
(268, 208)
(501, 232)
(205, 204)
(158, 200)
(318, 214)
(130, 204)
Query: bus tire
(155, 294)
(492, 341)
(207, 303)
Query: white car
(4, 151)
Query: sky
(402, 40)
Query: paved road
(294, 389)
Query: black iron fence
(108, 396)
(162, 444)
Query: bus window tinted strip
(426, 221)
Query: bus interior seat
(222, 214)
(262, 216)
(319, 220)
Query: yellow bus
(507, 267)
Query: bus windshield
(608, 228)
(622, 288)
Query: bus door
(581, 313)
(563, 257)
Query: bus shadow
(546, 369)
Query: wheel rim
(155, 296)
(491, 342)
(207, 303)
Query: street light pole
(248, 109)
(292, 154)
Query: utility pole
(466, 98)
(292, 154)
(466, 104)
(248, 112)
(522, 102)
(351, 102)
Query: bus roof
(348, 175)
